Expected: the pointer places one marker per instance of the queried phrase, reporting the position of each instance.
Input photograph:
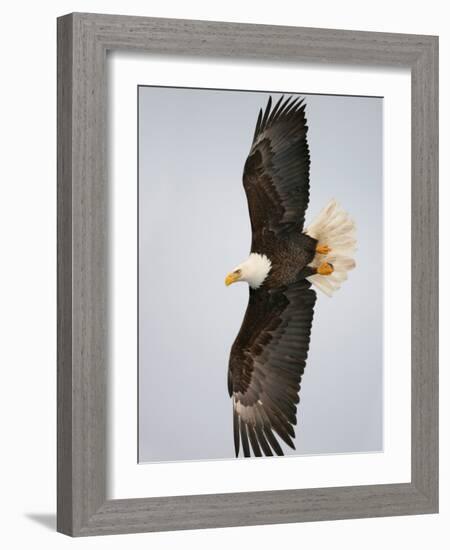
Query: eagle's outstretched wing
(267, 361)
(276, 172)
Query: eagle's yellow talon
(323, 249)
(325, 269)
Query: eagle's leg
(323, 249)
(325, 268)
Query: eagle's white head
(253, 271)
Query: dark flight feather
(236, 431)
(273, 441)
(253, 440)
(258, 124)
(262, 440)
(244, 438)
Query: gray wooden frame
(83, 40)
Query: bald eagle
(268, 356)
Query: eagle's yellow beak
(232, 277)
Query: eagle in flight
(268, 356)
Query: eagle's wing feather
(267, 361)
(276, 172)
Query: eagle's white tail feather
(333, 227)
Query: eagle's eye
(237, 271)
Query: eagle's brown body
(289, 254)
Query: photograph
(283, 193)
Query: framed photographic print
(247, 274)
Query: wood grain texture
(83, 40)
(425, 266)
(82, 276)
(64, 298)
